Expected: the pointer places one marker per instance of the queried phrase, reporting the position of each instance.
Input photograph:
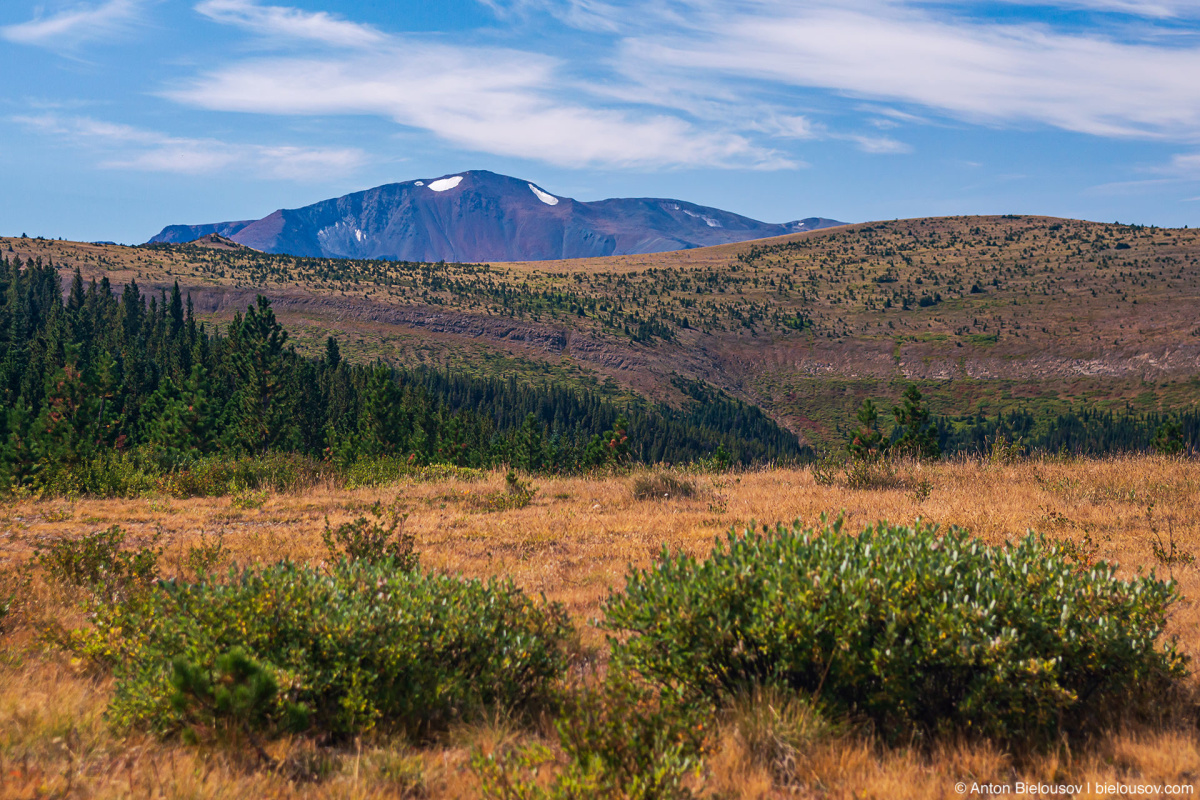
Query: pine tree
(65, 432)
(867, 442)
(384, 427)
(261, 414)
(917, 434)
(177, 420)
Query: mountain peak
(478, 215)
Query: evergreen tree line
(1086, 432)
(101, 374)
(710, 423)
(1082, 432)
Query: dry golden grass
(574, 542)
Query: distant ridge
(216, 241)
(483, 216)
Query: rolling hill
(482, 216)
(985, 314)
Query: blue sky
(122, 116)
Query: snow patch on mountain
(548, 199)
(445, 183)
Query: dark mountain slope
(482, 216)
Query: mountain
(480, 216)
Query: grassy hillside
(986, 314)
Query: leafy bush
(382, 470)
(202, 558)
(1004, 452)
(124, 474)
(633, 742)
(873, 474)
(825, 471)
(215, 476)
(623, 740)
(372, 542)
(517, 493)
(354, 647)
(96, 560)
(247, 499)
(910, 626)
(661, 485)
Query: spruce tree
(867, 442)
(914, 434)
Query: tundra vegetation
(420, 638)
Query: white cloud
(985, 73)
(280, 21)
(792, 126)
(1183, 168)
(129, 148)
(500, 101)
(880, 145)
(1185, 165)
(1167, 10)
(67, 29)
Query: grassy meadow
(573, 542)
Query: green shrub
(1003, 452)
(247, 499)
(661, 486)
(383, 470)
(825, 470)
(203, 558)
(633, 742)
(622, 740)
(96, 560)
(517, 493)
(873, 474)
(234, 700)
(125, 474)
(354, 647)
(214, 476)
(909, 626)
(372, 542)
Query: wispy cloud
(1137, 8)
(1184, 165)
(129, 148)
(879, 145)
(984, 73)
(281, 21)
(723, 83)
(68, 29)
(495, 100)
(1182, 170)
